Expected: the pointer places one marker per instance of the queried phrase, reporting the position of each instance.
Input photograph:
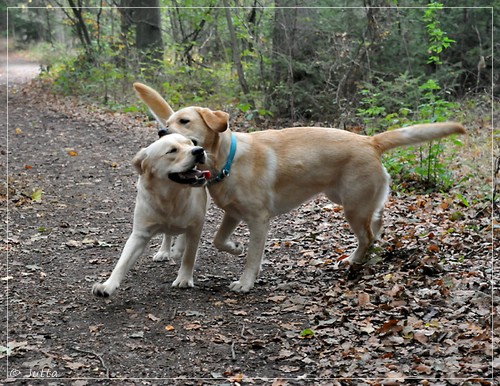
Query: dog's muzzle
(193, 177)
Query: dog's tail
(414, 134)
(158, 106)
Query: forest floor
(421, 311)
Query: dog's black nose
(162, 132)
(199, 154)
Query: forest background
(364, 66)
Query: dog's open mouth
(191, 177)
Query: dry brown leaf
(363, 299)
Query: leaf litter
(421, 310)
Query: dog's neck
(222, 170)
(161, 191)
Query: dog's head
(172, 157)
(201, 125)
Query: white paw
(164, 256)
(241, 286)
(183, 282)
(102, 290)
(234, 248)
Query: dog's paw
(164, 256)
(183, 282)
(241, 286)
(232, 247)
(341, 264)
(101, 290)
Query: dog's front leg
(134, 247)
(190, 242)
(258, 236)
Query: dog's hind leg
(134, 247)
(177, 250)
(190, 241)
(378, 215)
(164, 253)
(365, 216)
(222, 239)
(362, 228)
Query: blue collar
(227, 167)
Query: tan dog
(274, 171)
(166, 204)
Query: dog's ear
(158, 106)
(216, 120)
(138, 161)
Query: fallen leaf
(193, 326)
(421, 368)
(390, 326)
(137, 335)
(153, 318)
(307, 333)
(169, 328)
(368, 328)
(237, 378)
(289, 369)
(74, 365)
(433, 248)
(73, 244)
(363, 299)
(37, 195)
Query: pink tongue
(207, 174)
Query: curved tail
(414, 134)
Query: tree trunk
(237, 56)
(148, 39)
(284, 42)
(81, 28)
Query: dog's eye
(184, 121)
(173, 150)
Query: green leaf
(37, 195)
(307, 333)
(463, 200)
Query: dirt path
(15, 68)
(420, 310)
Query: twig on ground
(95, 355)
(233, 352)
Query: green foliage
(386, 105)
(304, 64)
(438, 39)
(426, 164)
(103, 81)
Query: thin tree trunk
(237, 56)
(81, 28)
